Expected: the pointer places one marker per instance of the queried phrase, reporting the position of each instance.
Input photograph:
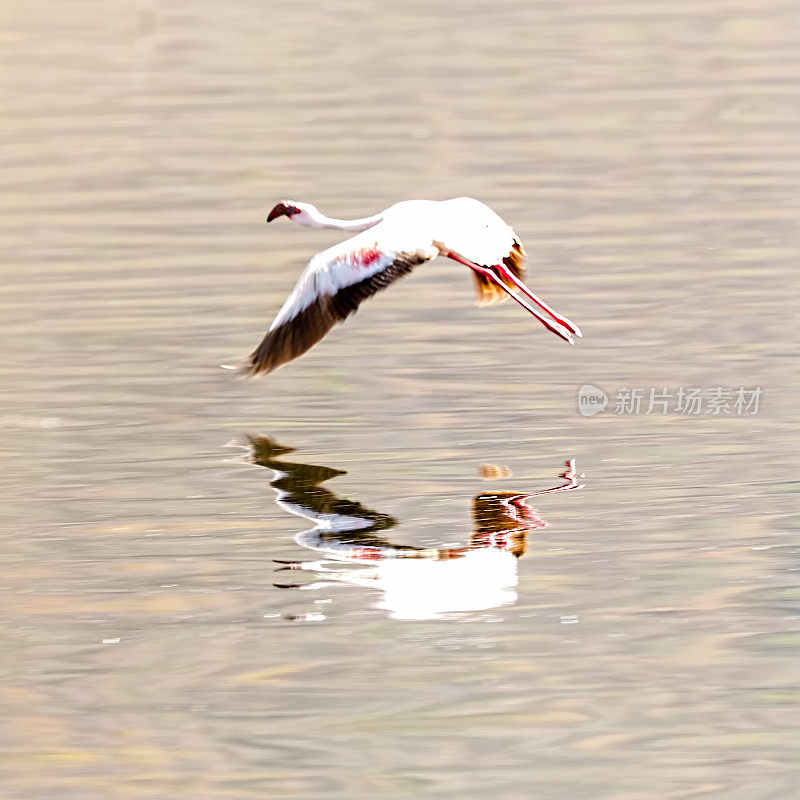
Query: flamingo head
(302, 213)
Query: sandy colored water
(646, 644)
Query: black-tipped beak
(280, 210)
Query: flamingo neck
(313, 218)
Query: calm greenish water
(645, 645)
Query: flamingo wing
(333, 285)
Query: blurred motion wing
(333, 285)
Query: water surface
(647, 154)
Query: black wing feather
(299, 334)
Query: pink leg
(510, 276)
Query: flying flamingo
(386, 247)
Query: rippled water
(645, 644)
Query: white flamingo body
(385, 247)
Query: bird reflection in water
(415, 582)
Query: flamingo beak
(282, 210)
(560, 326)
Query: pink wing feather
(333, 285)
